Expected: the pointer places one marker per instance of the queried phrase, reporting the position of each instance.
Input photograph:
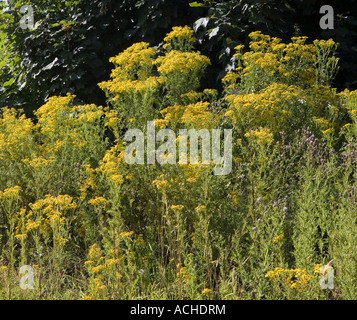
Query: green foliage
(69, 48)
(72, 41)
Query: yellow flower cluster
(317, 268)
(16, 135)
(180, 38)
(161, 123)
(230, 78)
(278, 238)
(111, 160)
(173, 114)
(103, 266)
(63, 202)
(133, 88)
(293, 63)
(264, 61)
(112, 118)
(206, 291)
(271, 107)
(160, 183)
(45, 215)
(126, 234)
(89, 182)
(297, 279)
(178, 207)
(61, 242)
(261, 136)
(182, 274)
(193, 172)
(39, 162)
(136, 62)
(61, 124)
(97, 201)
(349, 100)
(117, 179)
(198, 116)
(192, 97)
(95, 252)
(10, 193)
(181, 62)
(200, 208)
(123, 88)
(235, 198)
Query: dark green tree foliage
(69, 48)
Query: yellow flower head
(182, 62)
(180, 38)
(97, 201)
(117, 179)
(126, 234)
(177, 207)
(98, 268)
(278, 238)
(200, 208)
(160, 184)
(262, 135)
(10, 193)
(206, 291)
(95, 252)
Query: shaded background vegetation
(70, 46)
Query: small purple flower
(285, 209)
(259, 199)
(254, 228)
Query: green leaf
(9, 83)
(196, 4)
(50, 65)
(200, 22)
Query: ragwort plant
(93, 226)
